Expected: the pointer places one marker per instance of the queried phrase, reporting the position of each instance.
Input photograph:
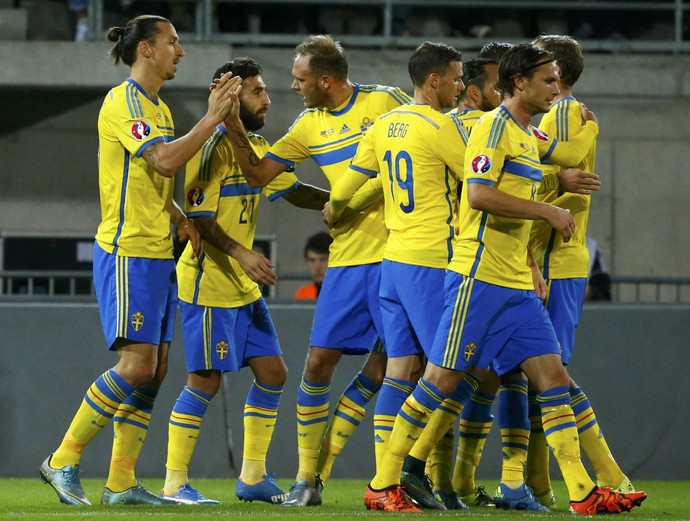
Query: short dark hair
(319, 242)
(567, 52)
(474, 73)
(494, 50)
(326, 55)
(522, 59)
(243, 66)
(431, 57)
(143, 28)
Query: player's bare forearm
(215, 235)
(308, 196)
(250, 163)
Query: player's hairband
(536, 65)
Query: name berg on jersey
(398, 129)
(140, 130)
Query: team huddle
(458, 266)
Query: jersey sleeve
(203, 174)
(453, 144)
(291, 149)
(128, 122)
(484, 158)
(363, 166)
(570, 152)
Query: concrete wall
(631, 361)
(50, 94)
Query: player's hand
(221, 99)
(578, 181)
(186, 231)
(539, 282)
(326, 215)
(256, 266)
(561, 221)
(588, 115)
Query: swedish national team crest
(222, 349)
(140, 130)
(195, 196)
(137, 321)
(470, 349)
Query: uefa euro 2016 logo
(481, 164)
(195, 196)
(140, 130)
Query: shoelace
(400, 498)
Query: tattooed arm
(307, 196)
(255, 265)
(168, 158)
(257, 171)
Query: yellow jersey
(558, 259)
(215, 187)
(135, 199)
(330, 138)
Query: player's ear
(325, 82)
(520, 81)
(145, 49)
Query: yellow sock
(100, 402)
(537, 469)
(515, 427)
(473, 429)
(392, 395)
(440, 421)
(260, 414)
(184, 427)
(592, 441)
(407, 428)
(345, 420)
(312, 418)
(471, 441)
(558, 421)
(131, 424)
(440, 460)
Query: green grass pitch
(30, 500)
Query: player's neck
(149, 82)
(566, 92)
(339, 93)
(518, 110)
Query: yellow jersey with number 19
(135, 199)
(419, 154)
(330, 138)
(493, 249)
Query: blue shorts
(137, 297)
(564, 304)
(348, 313)
(224, 339)
(484, 325)
(411, 306)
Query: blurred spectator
(316, 257)
(599, 281)
(80, 10)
